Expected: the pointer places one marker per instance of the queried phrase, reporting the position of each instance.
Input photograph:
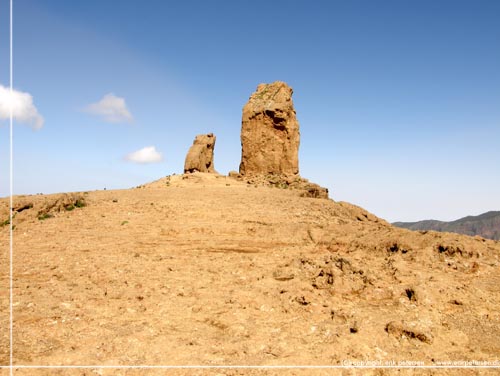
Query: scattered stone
(395, 247)
(234, 174)
(314, 191)
(451, 250)
(410, 330)
(283, 275)
(302, 300)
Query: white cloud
(23, 109)
(149, 154)
(111, 108)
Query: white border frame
(11, 173)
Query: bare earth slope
(206, 270)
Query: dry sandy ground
(206, 270)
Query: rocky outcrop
(294, 182)
(270, 132)
(270, 139)
(201, 154)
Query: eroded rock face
(201, 154)
(270, 134)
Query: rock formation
(270, 132)
(201, 154)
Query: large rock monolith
(270, 134)
(201, 154)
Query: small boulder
(410, 330)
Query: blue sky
(398, 101)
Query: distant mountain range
(486, 225)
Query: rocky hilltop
(270, 140)
(486, 225)
(205, 269)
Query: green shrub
(80, 203)
(45, 216)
